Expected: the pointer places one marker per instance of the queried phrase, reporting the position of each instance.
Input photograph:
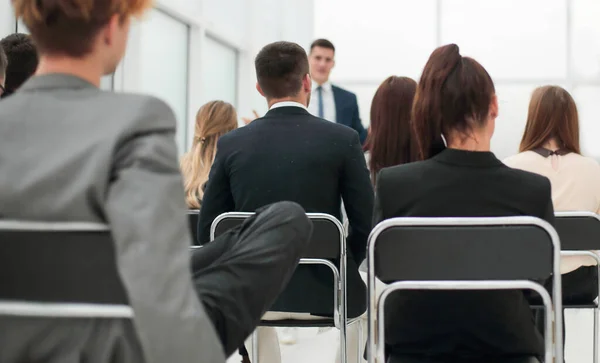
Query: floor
(321, 348)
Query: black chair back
(578, 231)
(324, 243)
(58, 263)
(463, 253)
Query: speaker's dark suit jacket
(458, 183)
(346, 111)
(291, 155)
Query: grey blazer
(71, 152)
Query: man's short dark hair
(22, 59)
(280, 69)
(3, 63)
(322, 43)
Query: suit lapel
(339, 103)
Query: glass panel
(523, 39)
(589, 110)
(160, 36)
(219, 72)
(585, 38)
(227, 15)
(377, 38)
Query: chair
(579, 234)
(471, 254)
(59, 270)
(327, 243)
(193, 215)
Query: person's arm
(217, 196)
(357, 123)
(357, 193)
(548, 212)
(377, 208)
(145, 209)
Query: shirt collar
(468, 158)
(325, 86)
(288, 104)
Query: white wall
(522, 44)
(188, 52)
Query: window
(106, 83)
(512, 39)
(219, 72)
(585, 39)
(587, 98)
(378, 38)
(163, 66)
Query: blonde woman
(213, 120)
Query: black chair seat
(414, 359)
(324, 323)
(568, 305)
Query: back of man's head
(281, 69)
(74, 28)
(22, 60)
(3, 64)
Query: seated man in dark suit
(74, 153)
(456, 97)
(291, 155)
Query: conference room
(202, 59)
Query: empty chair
(327, 250)
(449, 254)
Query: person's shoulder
(405, 173)
(342, 91)
(583, 161)
(333, 130)
(526, 181)
(522, 159)
(138, 112)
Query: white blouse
(575, 181)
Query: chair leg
(361, 344)
(255, 346)
(595, 335)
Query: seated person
(214, 119)
(77, 153)
(291, 155)
(22, 60)
(390, 138)
(456, 98)
(550, 147)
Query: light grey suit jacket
(71, 152)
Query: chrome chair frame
(376, 347)
(340, 305)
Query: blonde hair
(213, 120)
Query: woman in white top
(550, 147)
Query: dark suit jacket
(291, 155)
(458, 183)
(346, 111)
